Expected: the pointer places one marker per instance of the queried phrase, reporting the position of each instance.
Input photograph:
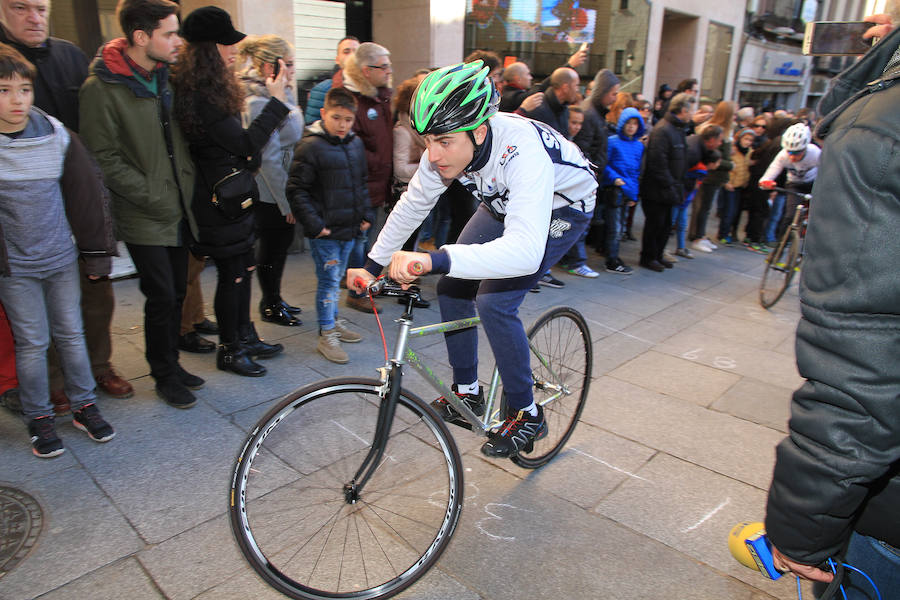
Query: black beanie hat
(210, 24)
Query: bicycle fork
(353, 489)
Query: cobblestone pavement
(690, 395)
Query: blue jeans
(40, 306)
(612, 218)
(877, 560)
(498, 303)
(680, 217)
(728, 211)
(331, 258)
(363, 241)
(774, 217)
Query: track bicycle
(784, 261)
(352, 487)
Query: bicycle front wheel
(293, 520)
(780, 268)
(562, 360)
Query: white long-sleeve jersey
(802, 171)
(531, 170)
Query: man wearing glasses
(367, 73)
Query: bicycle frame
(392, 378)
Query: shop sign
(783, 66)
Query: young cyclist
(536, 193)
(801, 160)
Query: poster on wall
(532, 21)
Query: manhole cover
(20, 525)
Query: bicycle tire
(780, 269)
(562, 337)
(288, 511)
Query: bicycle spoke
(299, 531)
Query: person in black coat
(554, 110)
(62, 67)
(662, 185)
(329, 195)
(208, 104)
(835, 488)
(592, 139)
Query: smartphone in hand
(836, 38)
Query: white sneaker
(709, 244)
(584, 271)
(700, 246)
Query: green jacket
(144, 157)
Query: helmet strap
(482, 151)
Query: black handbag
(235, 193)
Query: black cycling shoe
(517, 434)
(475, 403)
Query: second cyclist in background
(537, 193)
(801, 160)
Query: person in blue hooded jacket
(620, 182)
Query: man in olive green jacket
(125, 113)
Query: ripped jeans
(330, 257)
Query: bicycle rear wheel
(562, 360)
(780, 269)
(288, 508)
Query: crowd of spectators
(176, 107)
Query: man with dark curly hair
(125, 121)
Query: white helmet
(796, 138)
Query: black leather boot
(234, 358)
(256, 347)
(270, 308)
(278, 314)
(277, 273)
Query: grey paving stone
(199, 559)
(757, 401)
(122, 579)
(591, 465)
(736, 448)
(686, 311)
(742, 331)
(676, 376)
(750, 310)
(19, 464)
(77, 516)
(734, 358)
(788, 347)
(653, 330)
(177, 464)
(616, 349)
(629, 301)
(692, 510)
(506, 527)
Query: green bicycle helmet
(456, 98)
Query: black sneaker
(551, 281)
(189, 379)
(618, 267)
(44, 441)
(175, 393)
(517, 433)
(445, 410)
(88, 420)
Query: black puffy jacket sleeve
(839, 469)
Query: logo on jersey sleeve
(510, 153)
